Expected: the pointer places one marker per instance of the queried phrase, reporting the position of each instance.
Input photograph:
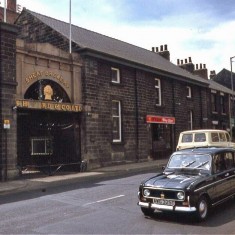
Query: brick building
(107, 102)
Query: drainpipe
(174, 126)
(137, 118)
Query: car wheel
(202, 208)
(147, 211)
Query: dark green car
(194, 181)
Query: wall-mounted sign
(6, 124)
(47, 105)
(160, 119)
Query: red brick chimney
(11, 12)
(11, 5)
(162, 52)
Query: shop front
(48, 140)
(162, 135)
(48, 130)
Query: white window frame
(158, 90)
(117, 80)
(222, 103)
(118, 140)
(190, 119)
(189, 92)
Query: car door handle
(226, 175)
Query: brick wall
(8, 84)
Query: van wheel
(202, 208)
(147, 211)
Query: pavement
(27, 183)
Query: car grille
(162, 193)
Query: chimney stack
(201, 71)
(162, 52)
(186, 64)
(212, 74)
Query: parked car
(194, 181)
(204, 138)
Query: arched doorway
(48, 140)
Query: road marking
(103, 200)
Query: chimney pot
(186, 61)
(161, 47)
(156, 49)
(182, 61)
(165, 47)
(189, 60)
(153, 49)
(178, 61)
(204, 66)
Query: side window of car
(229, 160)
(219, 163)
(214, 137)
(222, 137)
(187, 138)
(227, 137)
(200, 137)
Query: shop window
(116, 118)
(41, 146)
(158, 92)
(115, 73)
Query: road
(100, 207)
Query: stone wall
(8, 153)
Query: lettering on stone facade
(37, 74)
(51, 106)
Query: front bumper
(166, 208)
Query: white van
(204, 138)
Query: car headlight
(180, 195)
(146, 192)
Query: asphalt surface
(30, 182)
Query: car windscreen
(190, 160)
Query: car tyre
(147, 211)
(202, 208)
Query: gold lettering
(19, 103)
(25, 104)
(43, 105)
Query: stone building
(107, 102)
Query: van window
(214, 137)
(227, 136)
(200, 137)
(186, 138)
(222, 137)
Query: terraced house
(106, 102)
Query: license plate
(164, 202)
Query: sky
(201, 29)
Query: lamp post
(232, 103)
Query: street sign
(6, 124)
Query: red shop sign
(160, 119)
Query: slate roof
(103, 44)
(216, 86)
